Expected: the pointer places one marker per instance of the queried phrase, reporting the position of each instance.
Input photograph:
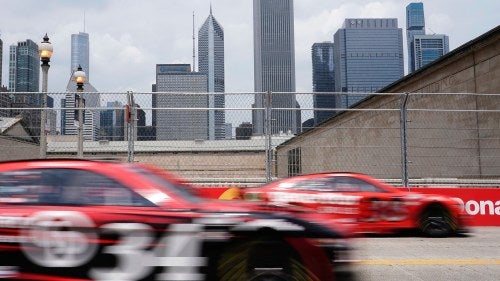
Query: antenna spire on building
(83, 21)
(193, 46)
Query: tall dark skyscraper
(274, 64)
(368, 57)
(323, 80)
(24, 67)
(211, 63)
(1, 63)
(415, 25)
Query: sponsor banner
(483, 204)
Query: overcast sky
(129, 37)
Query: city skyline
(124, 51)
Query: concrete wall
(200, 167)
(15, 149)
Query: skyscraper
(80, 53)
(415, 25)
(91, 117)
(1, 56)
(427, 48)
(24, 73)
(112, 122)
(175, 124)
(368, 56)
(422, 48)
(80, 57)
(211, 63)
(274, 64)
(24, 68)
(323, 79)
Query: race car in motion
(366, 204)
(64, 219)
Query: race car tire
(264, 258)
(436, 221)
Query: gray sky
(129, 37)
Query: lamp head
(45, 50)
(79, 76)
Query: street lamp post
(45, 51)
(80, 77)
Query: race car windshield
(179, 189)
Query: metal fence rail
(403, 138)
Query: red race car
(93, 220)
(366, 204)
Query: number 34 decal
(69, 239)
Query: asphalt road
(473, 257)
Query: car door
(379, 210)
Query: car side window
(27, 187)
(349, 184)
(316, 184)
(96, 189)
(66, 187)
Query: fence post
(131, 123)
(268, 132)
(404, 141)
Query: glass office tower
(24, 68)
(422, 48)
(274, 64)
(323, 78)
(428, 48)
(178, 79)
(211, 63)
(368, 56)
(415, 25)
(80, 53)
(80, 57)
(1, 56)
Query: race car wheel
(436, 221)
(262, 259)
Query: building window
(294, 162)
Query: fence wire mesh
(251, 138)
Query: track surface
(472, 257)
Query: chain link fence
(252, 138)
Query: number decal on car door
(70, 239)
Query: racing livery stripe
(322, 198)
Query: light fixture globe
(79, 76)
(45, 49)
